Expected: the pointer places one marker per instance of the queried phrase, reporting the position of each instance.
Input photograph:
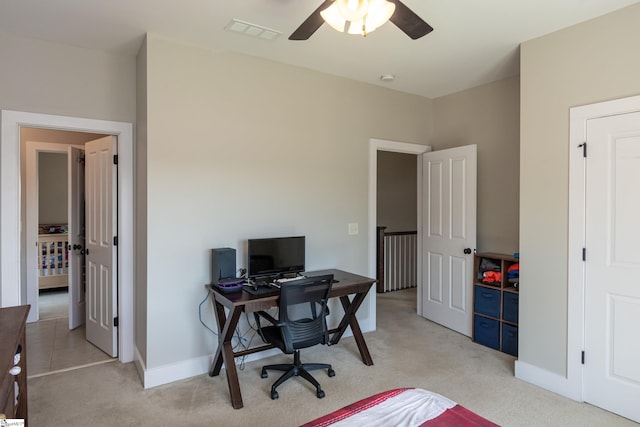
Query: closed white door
(449, 236)
(75, 222)
(101, 253)
(612, 267)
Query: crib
(53, 262)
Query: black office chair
(301, 323)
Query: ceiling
(473, 42)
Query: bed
(53, 256)
(402, 407)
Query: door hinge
(582, 357)
(584, 149)
(115, 240)
(584, 254)
(115, 159)
(115, 322)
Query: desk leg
(349, 319)
(224, 353)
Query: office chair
(301, 323)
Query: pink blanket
(402, 407)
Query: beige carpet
(408, 351)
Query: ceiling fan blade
(311, 24)
(405, 19)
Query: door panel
(101, 255)
(76, 237)
(449, 227)
(612, 268)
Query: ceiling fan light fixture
(352, 10)
(358, 16)
(332, 16)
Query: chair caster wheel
(264, 374)
(320, 394)
(331, 373)
(274, 395)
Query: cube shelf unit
(495, 305)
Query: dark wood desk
(239, 302)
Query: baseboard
(190, 368)
(166, 374)
(548, 380)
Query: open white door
(101, 253)
(612, 265)
(449, 236)
(75, 219)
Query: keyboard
(288, 279)
(262, 290)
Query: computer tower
(223, 264)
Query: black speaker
(223, 264)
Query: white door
(449, 236)
(101, 253)
(75, 221)
(612, 290)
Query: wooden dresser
(13, 392)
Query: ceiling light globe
(352, 10)
(380, 11)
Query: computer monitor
(276, 257)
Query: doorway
(376, 145)
(55, 220)
(12, 259)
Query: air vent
(252, 30)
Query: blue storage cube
(486, 301)
(510, 339)
(486, 331)
(510, 307)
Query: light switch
(353, 228)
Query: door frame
(376, 145)
(33, 149)
(12, 291)
(577, 235)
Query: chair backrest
(303, 311)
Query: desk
(239, 302)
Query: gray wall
(52, 188)
(397, 191)
(591, 62)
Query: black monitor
(278, 256)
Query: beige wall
(591, 62)
(239, 147)
(488, 116)
(41, 77)
(140, 223)
(397, 191)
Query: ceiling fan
(403, 17)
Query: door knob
(467, 251)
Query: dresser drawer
(486, 301)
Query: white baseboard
(547, 380)
(190, 368)
(154, 377)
